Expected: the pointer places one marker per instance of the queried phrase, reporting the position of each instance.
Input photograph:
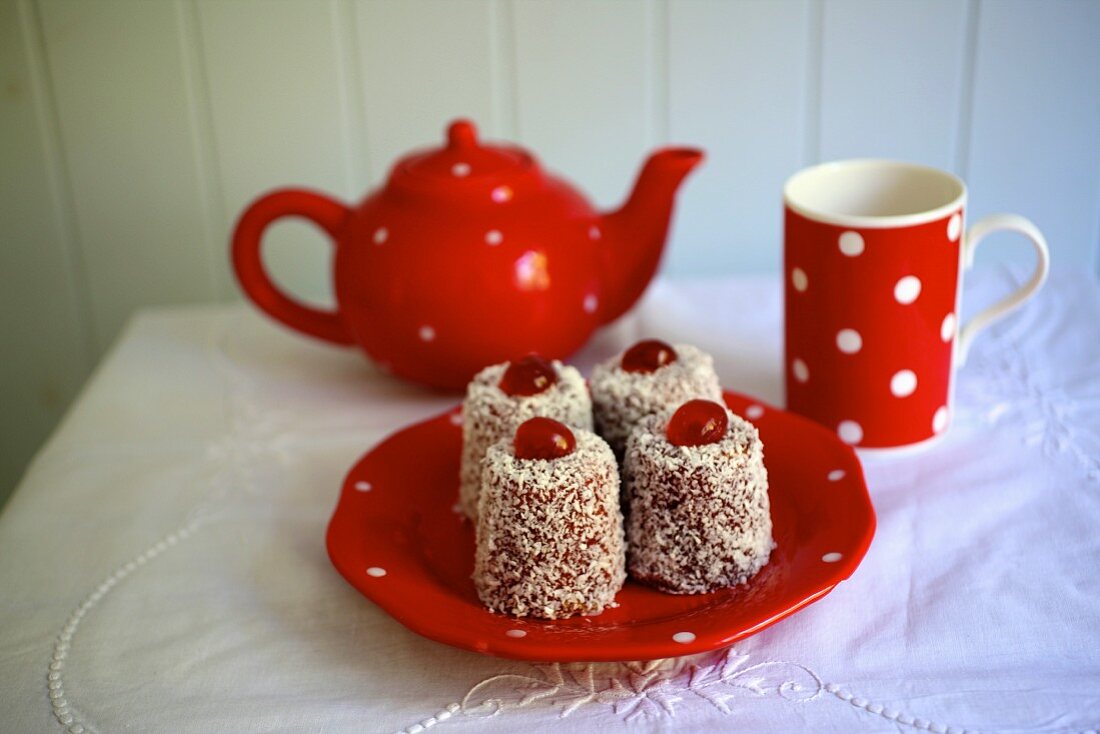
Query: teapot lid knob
(461, 134)
(463, 158)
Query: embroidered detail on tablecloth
(1010, 388)
(231, 460)
(656, 689)
(59, 704)
(642, 690)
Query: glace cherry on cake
(649, 378)
(699, 515)
(549, 530)
(501, 397)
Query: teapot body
(469, 255)
(435, 296)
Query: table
(162, 565)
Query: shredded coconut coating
(620, 399)
(699, 515)
(550, 533)
(489, 415)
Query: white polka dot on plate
(907, 289)
(376, 572)
(801, 371)
(593, 232)
(799, 279)
(851, 243)
(494, 237)
(461, 169)
(516, 633)
(849, 341)
(501, 194)
(903, 383)
(591, 303)
(456, 508)
(363, 486)
(850, 432)
(836, 475)
(831, 557)
(684, 637)
(427, 333)
(456, 418)
(754, 411)
(380, 235)
(947, 328)
(954, 227)
(939, 420)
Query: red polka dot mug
(874, 254)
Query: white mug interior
(874, 193)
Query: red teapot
(471, 254)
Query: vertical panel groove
(966, 90)
(358, 170)
(502, 68)
(59, 175)
(1096, 241)
(509, 68)
(204, 146)
(658, 72)
(1033, 146)
(815, 58)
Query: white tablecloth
(162, 566)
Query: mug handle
(985, 227)
(248, 264)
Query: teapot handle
(324, 212)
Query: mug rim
(870, 221)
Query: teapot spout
(634, 235)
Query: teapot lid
(464, 157)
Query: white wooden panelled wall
(135, 131)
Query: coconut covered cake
(649, 378)
(501, 397)
(699, 515)
(550, 530)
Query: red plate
(397, 537)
